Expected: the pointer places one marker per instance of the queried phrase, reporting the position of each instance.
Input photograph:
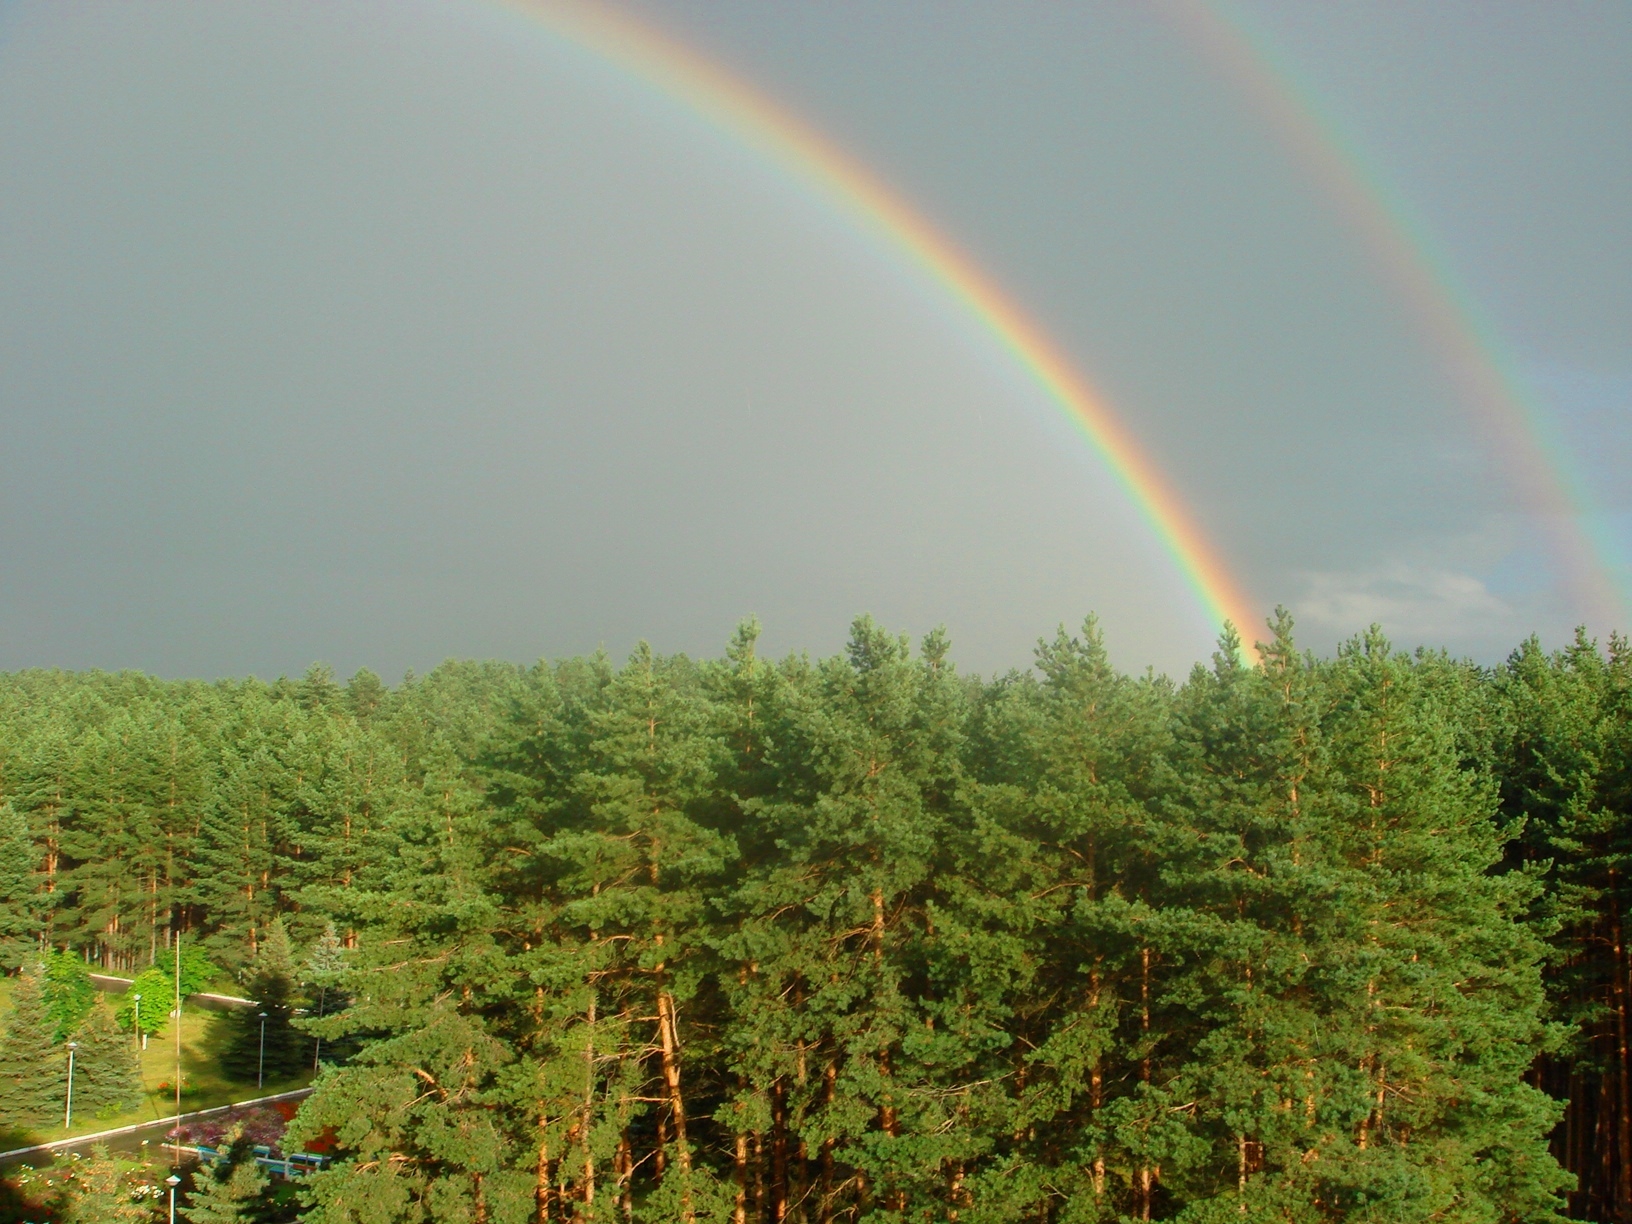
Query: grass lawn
(204, 1036)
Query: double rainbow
(1445, 316)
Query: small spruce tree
(107, 1076)
(33, 1074)
(233, 1192)
(323, 972)
(272, 985)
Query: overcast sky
(377, 333)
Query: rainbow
(753, 119)
(1418, 274)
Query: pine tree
(638, 886)
(1451, 1014)
(1563, 757)
(33, 1070)
(20, 900)
(366, 695)
(323, 974)
(1056, 883)
(107, 1074)
(264, 1044)
(244, 832)
(233, 1192)
(417, 1112)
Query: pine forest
(863, 937)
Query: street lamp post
(136, 998)
(172, 1181)
(260, 1069)
(68, 1107)
(322, 1010)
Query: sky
(381, 333)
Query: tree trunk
(1096, 1088)
(623, 1165)
(739, 1174)
(589, 1111)
(1143, 1177)
(543, 1196)
(779, 1151)
(669, 1041)
(760, 1199)
(830, 1079)
(1623, 1060)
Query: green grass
(204, 1038)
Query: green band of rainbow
(753, 119)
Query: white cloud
(1414, 603)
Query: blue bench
(293, 1165)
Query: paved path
(110, 984)
(17, 1155)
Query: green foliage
(326, 961)
(105, 1190)
(33, 1068)
(21, 908)
(1560, 747)
(107, 1077)
(234, 1192)
(198, 971)
(157, 991)
(69, 992)
(864, 938)
(264, 1044)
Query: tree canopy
(864, 937)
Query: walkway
(16, 1155)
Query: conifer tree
(33, 1071)
(263, 1041)
(323, 975)
(20, 899)
(366, 695)
(415, 1110)
(233, 1192)
(817, 941)
(243, 832)
(107, 1075)
(649, 765)
(1564, 762)
(1452, 1011)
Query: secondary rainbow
(1422, 279)
(681, 74)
